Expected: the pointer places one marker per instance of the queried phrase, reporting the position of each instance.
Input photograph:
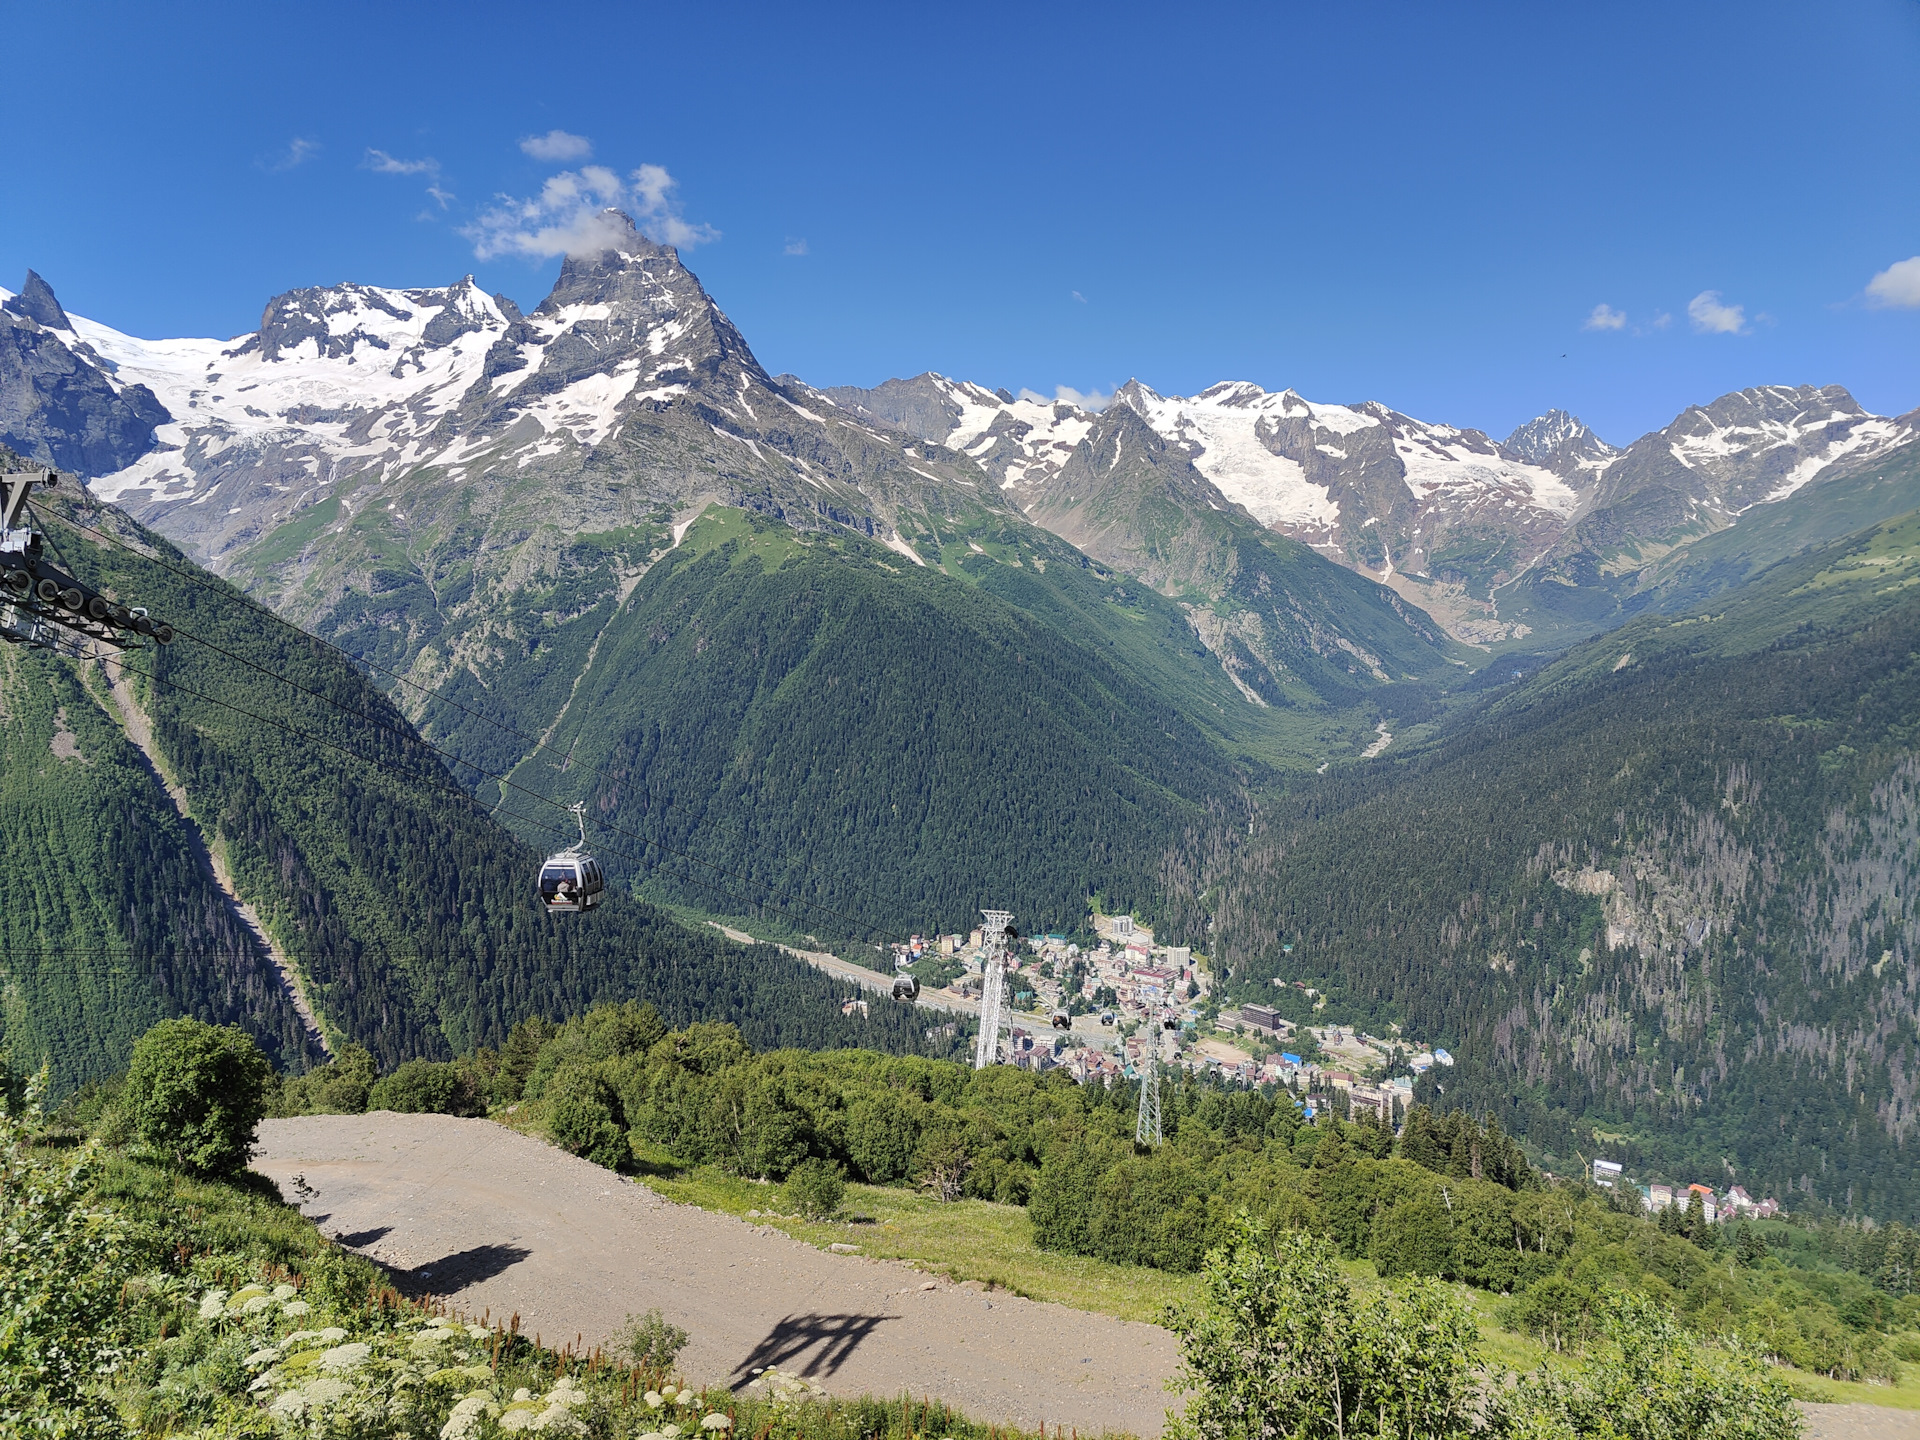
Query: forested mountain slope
(110, 921)
(894, 743)
(409, 913)
(1660, 900)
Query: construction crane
(997, 935)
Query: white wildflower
(296, 1308)
(522, 1394)
(284, 1292)
(256, 1303)
(654, 1401)
(478, 1332)
(240, 1298)
(290, 1406)
(263, 1357)
(717, 1421)
(467, 1415)
(345, 1357)
(326, 1390)
(213, 1304)
(668, 1432)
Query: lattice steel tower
(1146, 1128)
(993, 988)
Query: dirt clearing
(495, 1220)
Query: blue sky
(1413, 203)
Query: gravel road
(492, 1219)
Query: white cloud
(381, 163)
(1711, 317)
(557, 147)
(571, 215)
(1078, 296)
(1605, 317)
(1094, 400)
(298, 152)
(441, 196)
(1897, 287)
(795, 246)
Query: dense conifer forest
(1658, 899)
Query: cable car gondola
(1169, 1020)
(571, 880)
(906, 987)
(1062, 1018)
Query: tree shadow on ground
(458, 1270)
(837, 1337)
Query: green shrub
(1279, 1346)
(815, 1189)
(340, 1087)
(195, 1094)
(649, 1343)
(1650, 1380)
(428, 1087)
(581, 1123)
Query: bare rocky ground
(498, 1221)
(495, 1221)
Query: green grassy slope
(1663, 891)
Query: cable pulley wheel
(142, 625)
(72, 599)
(163, 634)
(48, 590)
(99, 608)
(20, 582)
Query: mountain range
(1267, 672)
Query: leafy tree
(196, 1093)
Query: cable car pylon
(1146, 1125)
(41, 605)
(998, 935)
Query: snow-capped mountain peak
(1561, 443)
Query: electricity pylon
(993, 988)
(1146, 1128)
